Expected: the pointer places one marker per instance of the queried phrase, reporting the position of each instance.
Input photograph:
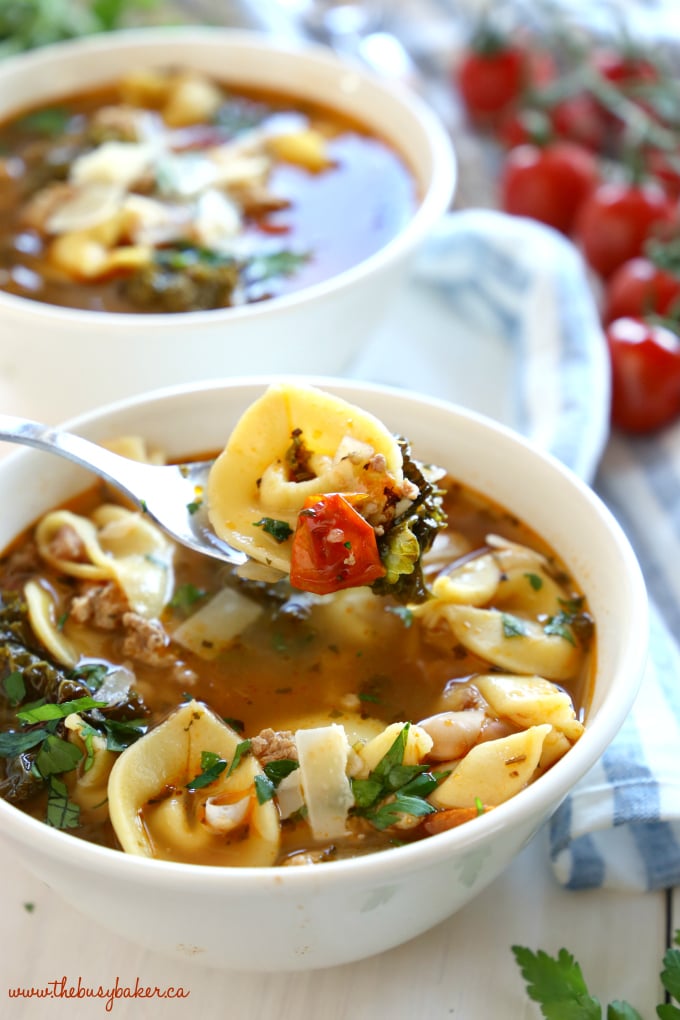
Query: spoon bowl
(172, 494)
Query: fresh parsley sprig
(557, 984)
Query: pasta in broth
(399, 656)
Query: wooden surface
(463, 968)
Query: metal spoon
(171, 495)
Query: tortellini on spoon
(307, 484)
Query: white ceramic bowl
(317, 329)
(318, 916)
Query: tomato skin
(645, 362)
(334, 547)
(617, 218)
(639, 287)
(579, 119)
(491, 81)
(548, 183)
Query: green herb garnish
(186, 595)
(393, 789)
(279, 530)
(513, 626)
(535, 580)
(14, 687)
(557, 984)
(212, 767)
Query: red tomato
(624, 68)
(645, 360)
(491, 78)
(639, 287)
(579, 119)
(665, 167)
(548, 184)
(333, 547)
(617, 218)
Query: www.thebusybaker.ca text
(61, 988)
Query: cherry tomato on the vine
(645, 361)
(640, 287)
(617, 219)
(491, 77)
(548, 183)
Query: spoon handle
(126, 475)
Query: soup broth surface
(352, 658)
(112, 201)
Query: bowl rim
(434, 202)
(540, 799)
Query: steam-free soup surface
(354, 659)
(169, 192)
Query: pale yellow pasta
(494, 771)
(88, 785)
(169, 757)
(530, 700)
(119, 545)
(251, 481)
(42, 613)
(512, 643)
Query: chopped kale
(411, 535)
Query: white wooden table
(463, 968)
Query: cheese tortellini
(292, 443)
(157, 812)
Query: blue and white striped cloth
(502, 319)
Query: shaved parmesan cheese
(121, 163)
(212, 629)
(323, 754)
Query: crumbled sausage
(66, 544)
(100, 605)
(274, 745)
(20, 565)
(146, 640)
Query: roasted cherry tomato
(617, 218)
(548, 184)
(640, 287)
(645, 361)
(333, 547)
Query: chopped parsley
(535, 580)
(14, 687)
(393, 789)
(513, 626)
(186, 595)
(279, 530)
(212, 767)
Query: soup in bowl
(349, 737)
(187, 203)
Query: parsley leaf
(212, 767)
(513, 626)
(557, 984)
(535, 580)
(264, 788)
(186, 595)
(62, 813)
(277, 770)
(14, 687)
(279, 530)
(393, 789)
(56, 755)
(560, 625)
(48, 711)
